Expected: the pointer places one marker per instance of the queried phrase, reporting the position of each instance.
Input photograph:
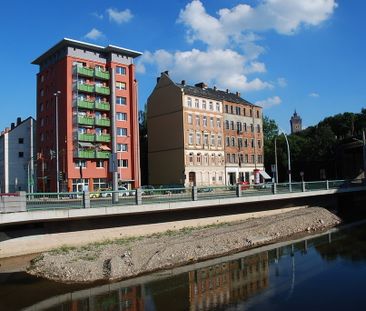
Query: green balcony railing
(84, 71)
(102, 154)
(102, 90)
(103, 122)
(101, 74)
(102, 106)
(86, 88)
(103, 138)
(85, 120)
(86, 137)
(85, 104)
(87, 154)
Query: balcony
(105, 138)
(85, 120)
(89, 88)
(104, 90)
(103, 122)
(101, 74)
(105, 106)
(102, 154)
(86, 137)
(84, 71)
(86, 154)
(85, 104)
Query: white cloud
(281, 82)
(269, 102)
(313, 94)
(97, 15)
(223, 68)
(94, 34)
(119, 16)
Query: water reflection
(274, 278)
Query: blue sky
(284, 54)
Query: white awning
(265, 175)
(85, 144)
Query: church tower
(296, 123)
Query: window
(258, 128)
(121, 131)
(189, 102)
(237, 110)
(239, 127)
(204, 121)
(240, 142)
(258, 114)
(41, 92)
(122, 163)
(212, 124)
(120, 85)
(41, 107)
(190, 139)
(228, 158)
(120, 70)
(190, 120)
(100, 163)
(79, 163)
(250, 112)
(191, 158)
(244, 112)
(21, 154)
(233, 158)
(246, 143)
(252, 128)
(227, 124)
(122, 147)
(21, 140)
(121, 116)
(260, 159)
(204, 105)
(252, 143)
(245, 127)
(233, 141)
(259, 143)
(231, 109)
(199, 157)
(232, 125)
(218, 122)
(198, 120)
(211, 106)
(196, 103)
(217, 106)
(252, 158)
(120, 100)
(227, 141)
(205, 139)
(246, 159)
(198, 139)
(219, 141)
(212, 140)
(226, 108)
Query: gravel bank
(125, 258)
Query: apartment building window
(122, 147)
(206, 158)
(241, 158)
(239, 127)
(212, 140)
(226, 109)
(252, 143)
(205, 139)
(246, 143)
(227, 141)
(204, 105)
(233, 158)
(218, 122)
(212, 124)
(252, 128)
(41, 92)
(232, 125)
(227, 124)
(41, 107)
(100, 164)
(237, 110)
(259, 143)
(244, 112)
(42, 137)
(190, 158)
(120, 70)
(250, 112)
(196, 103)
(120, 85)
(246, 159)
(122, 163)
(189, 102)
(260, 159)
(213, 158)
(99, 183)
(231, 109)
(258, 114)
(190, 120)
(199, 158)
(218, 107)
(20, 140)
(204, 121)
(233, 141)
(258, 128)
(245, 127)
(42, 122)
(121, 131)
(211, 106)
(228, 158)
(198, 122)
(120, 100)
(240, 142)
(190, 139)
(21, 154)
(198, 139)
(219, 141)
(121, 116)
(79, 163)
(252, 158)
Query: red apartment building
(95, 90)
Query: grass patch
(64, 249)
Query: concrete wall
(13, 203)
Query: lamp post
(56, 94)
(288, 161)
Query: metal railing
(105, 198)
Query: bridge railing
(73, 200)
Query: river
(317, 273)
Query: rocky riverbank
(126, 258)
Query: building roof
(213, 93)
(84, 45)
(14, 125)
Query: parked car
(123, 192)
(204, 189)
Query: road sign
(113, 164)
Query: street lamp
(57, 157)
(288, 161)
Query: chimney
(202, 85)
(166, 72)
(12, 126)
(237, 94)
(227, 91)
(183, 82)
(19, 120)
(215, 88)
